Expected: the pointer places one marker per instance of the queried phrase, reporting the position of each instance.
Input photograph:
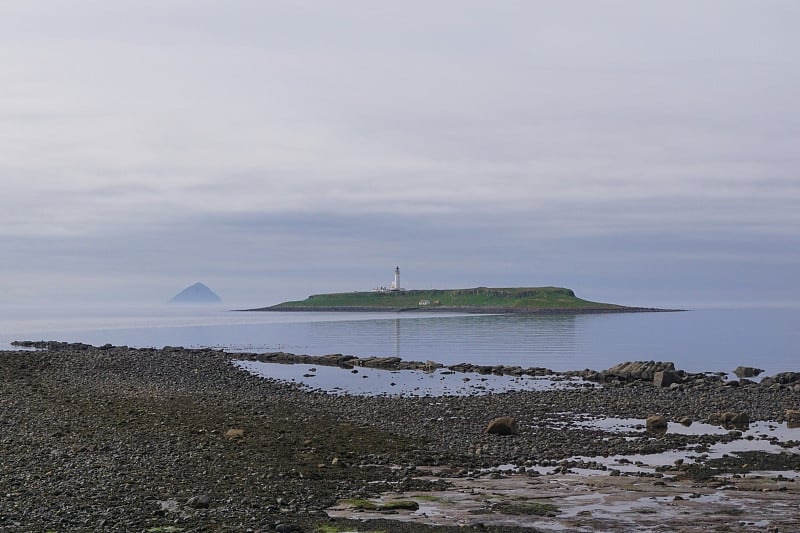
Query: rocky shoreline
(124, 439)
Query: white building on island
(395, 285)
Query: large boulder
(730, 419)
(792, 418)
(792, 414)
(747, 372)
(505, 425)
(782, 378)
(234, 434)
(656, 423)
(200, 501)
(635, 371)
(379, 362)
(665, 378)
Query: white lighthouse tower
(396, 282)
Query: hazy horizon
(637, 153)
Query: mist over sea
(700, 340)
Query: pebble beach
(129, 439)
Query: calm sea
(700, 340)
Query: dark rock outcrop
(792, 415)
(635, 371)
(747, 372)
(505, 425)
(729, 419)
(665, 378)
(782, 378)
(656, 423)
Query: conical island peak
(196, 294)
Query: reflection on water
(476, 338)
(397, 351)
(696, 341)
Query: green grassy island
(477, 300)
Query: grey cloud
(600, 145)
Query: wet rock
(635, 371)
(513, 371)
(538, 371)
(729, 418)
(656, 423)
(747, 372)
(431, 366)
(379, 362)
(199, 502)
(792, 415)
(739, 419)
(782, 378)
(170, 506)
(665, 378)
(505, 425)
(234, 434)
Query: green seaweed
(396, 505)
(525, 508)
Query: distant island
(523, 300)
(196, 294)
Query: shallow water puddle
(761, 436)
(377, 382)
(648, 464)
(768, 437)
(782, 431)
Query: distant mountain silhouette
(196, 294)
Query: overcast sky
(638, 152)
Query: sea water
(701, 340)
